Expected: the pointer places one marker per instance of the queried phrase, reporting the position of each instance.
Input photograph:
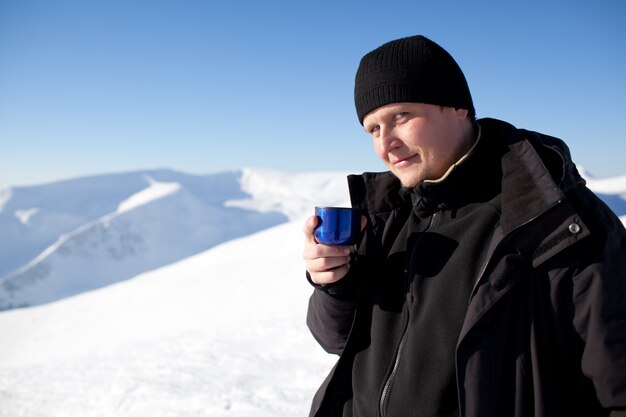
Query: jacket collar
(474, 178)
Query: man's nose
(388, 139)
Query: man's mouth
(404, 161)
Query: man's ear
(461, 113)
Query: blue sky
(90, 87)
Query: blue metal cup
(337, 225)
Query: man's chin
(409, 184)
(408, 181)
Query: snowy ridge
(155, 191)
(613, 185)
(294, 194)
(61, 208)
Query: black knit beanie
(414, 70)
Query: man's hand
(325, 264)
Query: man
(489, 281)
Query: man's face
(419, 141)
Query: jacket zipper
(384, 395)
(386, 388)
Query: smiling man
(489, 281)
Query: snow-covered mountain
(217, 334)
(65, 238)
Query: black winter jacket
(541, 262)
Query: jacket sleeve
(600, 317)
(331, 312)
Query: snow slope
(218, 334)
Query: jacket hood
(537, 171)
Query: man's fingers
(327, 263)
(328, 277)
(309, 228)
(310, 223)
(318, 250)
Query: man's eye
(400, 115)
(374, 129)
